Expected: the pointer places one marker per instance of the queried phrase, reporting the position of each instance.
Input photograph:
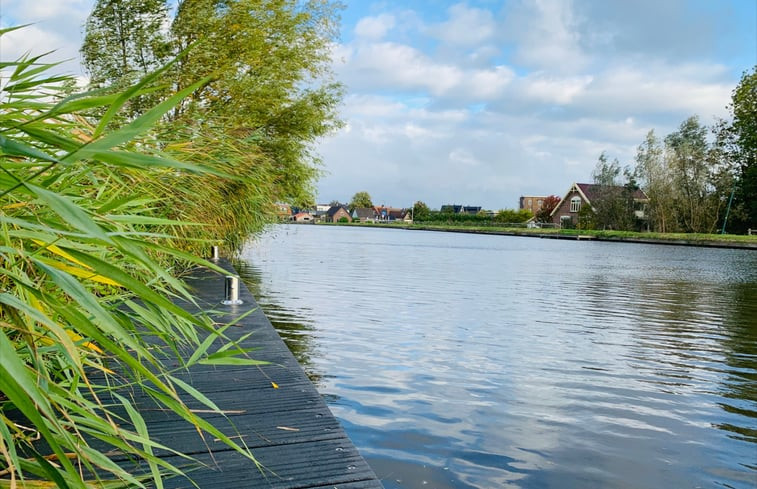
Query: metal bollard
(231, 291)
(214, 252)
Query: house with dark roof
(364, 214)
(565, 214)
(459, 209)
(336, 213)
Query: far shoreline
(727, 241)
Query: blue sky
(480, 102)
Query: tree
(547, 206)
(612, 201)
(697, 200)
(421, 211)
(653, 177)
(743, 131)
(124, 41)
(268, 94)
(606, 199)
(360, 199)
(271, 82)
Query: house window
(575, 204)
(529, 203)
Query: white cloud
(466, 26)
(464, 157)
(374, 28)
(546, 35)
(56, 26)
(557, 90)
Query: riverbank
(680, 239)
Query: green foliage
(360, 199)
(268, 93)
(697, 200)
(86, 246)
(124, 42)
(743, 133)
(547, 206)
(586, 218)
(343, 219)
(421, 211)
(652, 175)
(512, 216)
(479, 219)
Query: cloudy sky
(480, 102)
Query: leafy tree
(271, 81)
(268, 93)
(421, 211)
(743, 131)
(360, 199)
(606, 200)
(654, 178)
(697, 199)
(547, 206)
(125, 41)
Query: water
(473, 361)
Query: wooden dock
(288, 427)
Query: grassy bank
(735, 240)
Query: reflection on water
(458, 360)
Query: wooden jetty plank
(288, 428)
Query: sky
(480, 102)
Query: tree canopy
(547, 206)
(360, 199)
(743, 133)
(267, 96)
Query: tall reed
(92, 226)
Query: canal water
(473, 361)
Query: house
(336, 214)
(384, 213)
(532, 203)
(565, 214)
(460, 209)
(364, 214)
(303, 217)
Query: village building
(566, 213)
(336, 214)
(532, 203)
(303, 217)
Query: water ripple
(471, 361)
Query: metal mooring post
(214, 252)
(231, 292)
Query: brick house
(335, 213)
(531, 202)
(565, 214)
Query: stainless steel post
(231, 292)
(214, 252)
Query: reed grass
(94, 223)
